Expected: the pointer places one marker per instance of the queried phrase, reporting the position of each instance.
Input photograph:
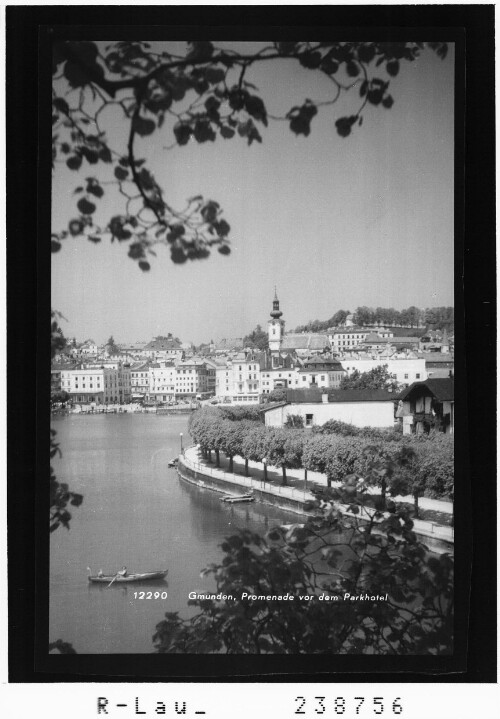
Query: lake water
(136, 512)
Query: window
(309, 420)
(417, 375)
(304, 379)
(406, 376)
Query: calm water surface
(137, 512)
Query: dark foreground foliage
(333, 554)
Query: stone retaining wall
(438, 539)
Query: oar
(111, 582)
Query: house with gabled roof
(427, 405)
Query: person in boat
(100, 573)
(123, 571)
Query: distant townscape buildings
(165, 370)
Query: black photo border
(28, 33)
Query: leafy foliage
(331, 554)
(294, 421)
(112, 347)
(335, 426)
(238, 413)
(200, 96)
(395, 463)
(276, 395)
(376, 378)
(257, 339)
(60, 495)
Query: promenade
(298, 491)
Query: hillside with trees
(431, 318)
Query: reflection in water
(136, 512)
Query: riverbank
(195, 469)
(131, 408)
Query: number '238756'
(356, 706)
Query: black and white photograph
(252, 382)
(257, 286)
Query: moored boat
(132, 577)
(234, 498)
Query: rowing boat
(135, 577)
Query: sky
(333, 223)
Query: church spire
(276, 313)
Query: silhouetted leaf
(352, 69)
(143, 126)
(227, 132)
(121, 173)
(344, 125)
(310, 59)
(95, 189)
(74, 162)
(392, 67)
(182, 133)
(86, 207)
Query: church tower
(275, 327)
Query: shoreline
(192, 469)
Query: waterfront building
(162, 382)
(238, 378)
(139, 380)
(362, 408)
(191, 378)
(98, 385)
(211, 366)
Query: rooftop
(443, 389)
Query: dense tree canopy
(199, 94)
(257, 339)
(377, 378)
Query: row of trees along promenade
(383, 459)
(334, 584)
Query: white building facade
(162, 381)
(98, 385)
(238, 380)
